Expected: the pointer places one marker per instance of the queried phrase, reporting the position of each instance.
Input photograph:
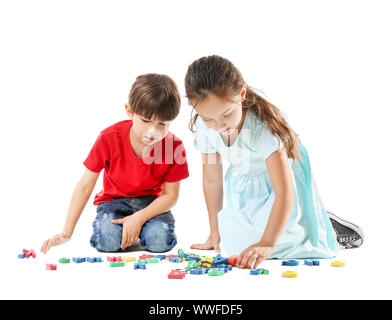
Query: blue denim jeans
(157, 234)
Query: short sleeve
(178, 170)
(98, 155)
(205, 140)
(266, 142)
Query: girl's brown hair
(155, 95)
(217, 75)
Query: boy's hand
(253, 255)
(54, 241)
(132, 226)
(211, 243)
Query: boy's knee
(107, 245)
(158, 239)
(160, 244)
(107, 235)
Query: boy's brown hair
(155, 95)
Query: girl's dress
(249, 194)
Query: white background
(66, 68)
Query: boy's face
(147, 131)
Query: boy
(143, 164)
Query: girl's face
(147, 131)
(220, 114)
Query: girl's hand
(211, 243)
(132, 226)
(55, 241)
(253, 255)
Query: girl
(273, 207)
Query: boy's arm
(133, 224)
(80, 196)
(79, 199)
(161, 204)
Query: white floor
(62, 83)
(28, 279)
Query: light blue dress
(249, 195)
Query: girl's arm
(80, 196)
(282, 184)
(213, 194)
(133, 224)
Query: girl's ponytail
(276, 121)
(217, 75)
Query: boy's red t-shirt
(127, 175)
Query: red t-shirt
(127, 175)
